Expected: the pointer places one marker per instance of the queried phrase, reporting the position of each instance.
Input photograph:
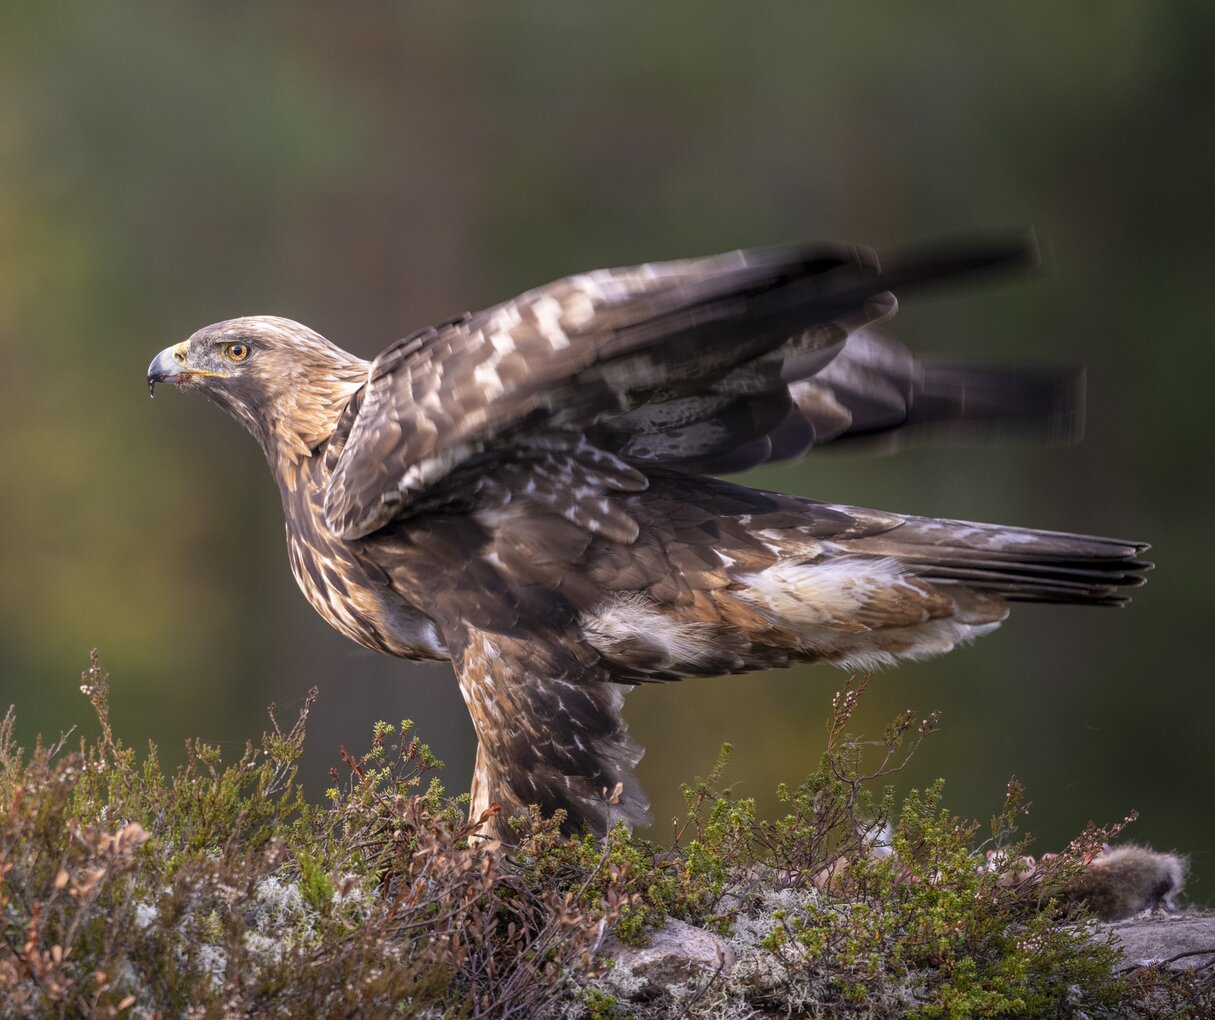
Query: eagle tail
(1016, 564)
(883, 587)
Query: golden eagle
(528, 491)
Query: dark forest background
(370, 170)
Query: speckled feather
(526, 491)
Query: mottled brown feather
(521, 490)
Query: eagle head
(284, 382)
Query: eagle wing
(712, 364)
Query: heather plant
(217, 889)
(850, 904)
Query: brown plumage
(527, 491)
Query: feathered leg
(549, 732)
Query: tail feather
(1019, 564)
(1018, 587)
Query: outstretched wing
(684, 363)
(873, 390)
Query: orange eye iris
(236, 352)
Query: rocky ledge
(684, 965)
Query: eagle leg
(549, 732)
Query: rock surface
(1187, 940)
(677, 953)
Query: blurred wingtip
(961, 256)
(1034, 256)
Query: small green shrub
(848, 907)
(219, 890)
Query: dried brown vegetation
(218, 890)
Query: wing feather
(660, 342)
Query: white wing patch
(630, 620)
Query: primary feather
(528, 491)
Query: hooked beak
(170, 366)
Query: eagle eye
(236, 352)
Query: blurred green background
(370, 170)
